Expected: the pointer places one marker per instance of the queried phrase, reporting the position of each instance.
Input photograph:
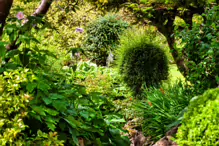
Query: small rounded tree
(140, 61)
(102, 37)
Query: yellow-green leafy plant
(66, 35)
(14, 109)
(200, 126)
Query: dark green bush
(163, 108)
(140, 61)
(200, 125)
(200, 50)
(102, 37)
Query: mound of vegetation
(200, 123)
(140, 61)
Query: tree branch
(5, 6)
(40, 12)
(43, 8)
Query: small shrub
(140, 61)
(102, 37)
(200, 125)
(162, 109)
(101, 79)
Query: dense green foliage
(140, 61)
(15, 107)
(53, 94)
(163, 108)
(102, 37)
(200, 49)
(56, 103)
(62, 107)
(200, 123)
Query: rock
(166, 140)
(172, 131)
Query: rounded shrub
(102, 37)
(140, 60)
(200, 126)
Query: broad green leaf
(31, 86)
(85, 114)
(47, 100)
(73, 122)
(2, 50)
(74, 134)
(60, 105)
(56, 96)
(43, 86)
(51, 126)
(51, 111)
(114, 132)
(39, 110)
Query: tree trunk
(167, 30)
(5, 6)
(179, 60)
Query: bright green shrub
(33, 101)
(102, 37)
(14, 109)
(162, 108)
(200, 125)
(200, 51)
(141, 61)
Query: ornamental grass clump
(141, 61)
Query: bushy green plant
(101, 79)
(102, 37)
(49, 101)
(15, 106)
(163, 108)
(200, 51)
(200, 125)
(140, 60)
(58, 106)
